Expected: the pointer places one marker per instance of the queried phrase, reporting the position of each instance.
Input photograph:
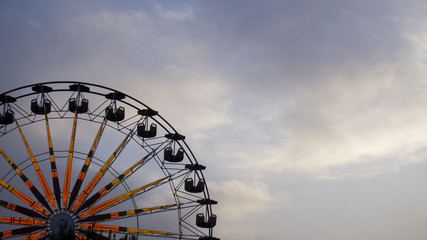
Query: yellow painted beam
(109, 186)
(19, 220)
(67, 179)
(99, 174)
(27, 181)
(40, 175)
(112, 201)
(103, 227)
(79, 236)
(54, 171)
(85, 167)
(23, 197)
(107, 216)
(20, 209)
(34, 236)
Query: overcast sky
(310, 115)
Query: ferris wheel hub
(61, 221)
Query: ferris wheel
(89, 160)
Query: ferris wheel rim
(192, 158)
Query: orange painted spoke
(23, 197)
(27, 181)
(106, 216)
(40, 175)
(44, 237)
(69, 164)
(110, 202)
(20, 209)
(19, 231)
(99, 175)
(79, 236)
(104, 190)
(23, 221)
(85, 167)
(54, 171)
(34, 236)
(102, 227)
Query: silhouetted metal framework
(77, 187)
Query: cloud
(334, 86)
(241, 201)
(336, 123)
(174, 14)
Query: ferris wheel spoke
(54, 171)
(19, 220)
(40, 175)
(128, 213)
(34, 236)
(85, 167)
(19, 231)
(158, 184)
(103, 227)
(79, 236)
(112, 201)
(44, 237)
(20, 209)
(67, 179)
(99, 174)
(23, 197)
(27, 181)
(109, 186)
